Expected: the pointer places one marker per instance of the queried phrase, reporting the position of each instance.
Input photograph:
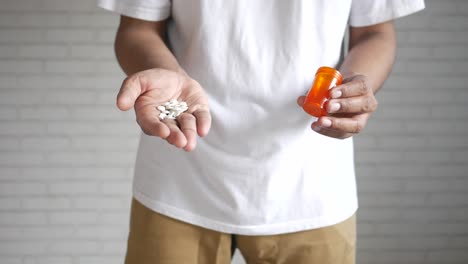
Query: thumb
(300, 100)
(129, 92)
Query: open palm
(148, 89)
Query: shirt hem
(269, 229)
(148, 14)
(366, 20)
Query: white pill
(172, 109)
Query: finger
(329, 132)
(152, 126)
(345, 125)
(300, 100)
(129, 92)
(176, 137)
(359, 104)
(203, 120)
(188, 126)
(356, 87)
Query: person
(245, 167)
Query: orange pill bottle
(325, 78)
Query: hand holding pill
(185, 114)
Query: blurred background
(66, 152)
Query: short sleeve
(150, 10)
(371, 12)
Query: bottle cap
(335, 73)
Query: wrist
(348, 74)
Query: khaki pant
(157, 239)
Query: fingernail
(336, 94)
(316, 128)
(334, 107)
(326, 123)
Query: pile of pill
(172, 109)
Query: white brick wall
(413, 158)
(66, 153)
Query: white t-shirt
(261, 170)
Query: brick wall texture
(66, 152)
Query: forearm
(371, 53)
(140, 46)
